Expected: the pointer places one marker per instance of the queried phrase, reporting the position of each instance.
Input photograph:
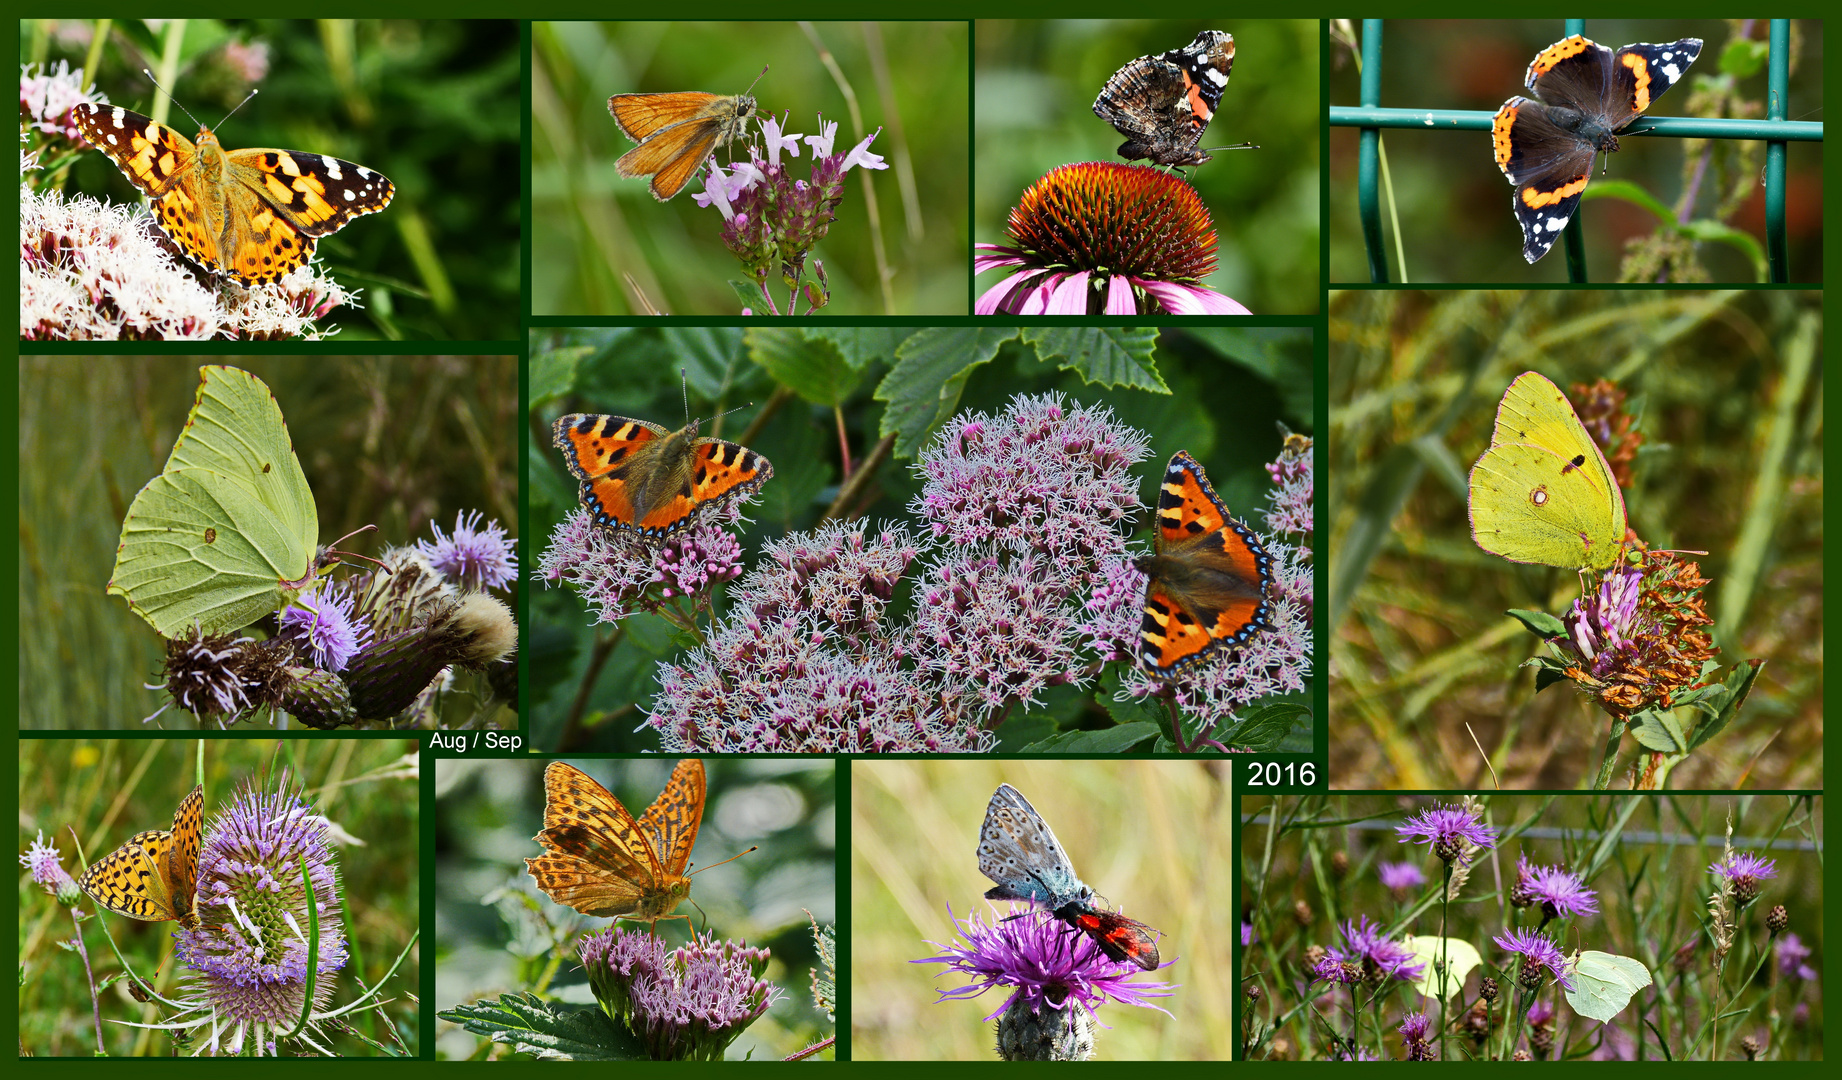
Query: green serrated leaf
(1604, 983)
(1113, 740)
(862, 346)
(551, 1030)
(931, 369)
(1460, 956)
(808, 365)
(1106, 356)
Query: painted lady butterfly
(642, 478)
(252, 214)
(1209, 577)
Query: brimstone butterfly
(227, 532)
(1543, 492)
(1603, 983)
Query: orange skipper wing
(639, 115)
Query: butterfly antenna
(1236, 146)
(751, 86)
(333, 549)
(726, 862)
(174, 100)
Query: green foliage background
(388, 441)
(1037, 81)
(109, 789)
(435, 105)
(591, 229)
(1214, 391)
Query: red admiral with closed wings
(1162, 104)
(1589, 93)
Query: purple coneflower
(1744, 871)
(1541, 958)
(1453, 831)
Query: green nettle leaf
(1459, 956)
(1603, 983)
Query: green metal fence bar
(1777, 81)
(1774, 130)
(1368, 163)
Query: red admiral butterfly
(1161, 104)
(1588, 94)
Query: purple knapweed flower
(1043, 964)
(1541, 958)
(685, 1005)
(1380, 957)
(1744, 871)
(1793, 957)
(1453, 831)
(475, 558)
(1559, 891)
(1413, 1037)
(1400, 878)
(46, 866)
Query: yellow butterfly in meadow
(153, 876)
(600, 861)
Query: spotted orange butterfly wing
(600, 861)
(153, 876)
(1209, 578)
(251, 214)
(641, 478)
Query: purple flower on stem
(323, 623)
(47, 869)
(1453, 831)
(1559, 891)
(1793, 957)
(1541, 958)
(1043, 964)
(1744, 871)
(1413, 1037)
(1400, 878)
(686, 1005)
(618, 573)
(1380, 957)
(473, 558)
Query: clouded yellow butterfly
(1543, 493)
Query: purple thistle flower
(1413, 1037)
(1540, 1014)
(1044, 964)
(323, 623)
(1380, 957)
(1793, 955)
(1559, 891)
(1453, 831)
(47, 869)
(1541, 958)
(1400, 878)
(1744, 871)
(474, 558)
(204, 676)
(248, 957)
(686, 1005)
(1333, 970)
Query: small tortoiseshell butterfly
(1208, 579)
(641, 478)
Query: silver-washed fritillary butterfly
(152, 877)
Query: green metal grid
(1774, 130)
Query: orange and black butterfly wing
(604, 453)
(671, 822)
(182, 859)
(595, 858)
(641, 115)
(1209, 579)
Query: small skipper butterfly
(677, 133)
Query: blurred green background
(110, 789)
(1037, 81)
(1726, 389)
(1227, 387)
(1153, 838)
(496, 934)
(433, 105)
(592, 230)
(392, 441)
(1453, 202)
(1648, 863)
